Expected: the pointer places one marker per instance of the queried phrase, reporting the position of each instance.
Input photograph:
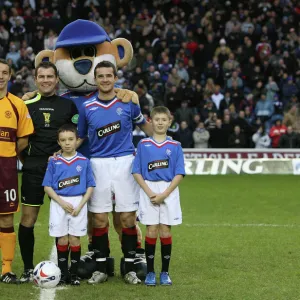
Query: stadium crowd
(227, 70)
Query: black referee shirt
(48, 115)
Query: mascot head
(80, 46)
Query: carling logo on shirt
(158, 164)
(64, 183)
(109, 129)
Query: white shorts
(113, 175)
(168, 213)
(62, 223)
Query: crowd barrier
(242, 161)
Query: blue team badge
(78, 168)
(119, 111)
(168, 152)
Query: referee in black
(48, 112)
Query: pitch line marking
(242, 225)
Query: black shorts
(32, 191)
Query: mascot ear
(44, 55)
(124, 51)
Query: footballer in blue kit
(109, 126)
(108, 122)
(158, 168)
(159, 161)
(69, 182)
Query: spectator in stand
(185, 136)
(173, 130)
(276, 132)
(225, 103)
(4, 35)
(182, 72)
(184, 113)
(236, 95)
(200, 137)
(292, 118)
(234, 78)
(174, 78)
(217, 136)
(13, 54)
(230, 64)
(264, 110)
(222, 52)
(17, 86)
(261, 138)
(17, 31)
(209, 87)
(271, 88)
(237, 138)
(244, 126)
(50, 40)
(172, 99)
(196, 121)
(217, 97)
(290, 139)
(289, 89)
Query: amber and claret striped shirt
(15, 122)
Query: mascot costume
(80, 46)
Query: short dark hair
(105, 64)
(67, 127)
(46, 65)
(160, 110)
(4, 62)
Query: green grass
(214, 256)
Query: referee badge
(47, 119)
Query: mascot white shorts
(62, 223)
(113, 176)
(168, 213)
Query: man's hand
(157, 199)
(127, 95)
(29, 95)
(76, 211)
(54, 156)
(68, 207)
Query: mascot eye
(75, 52)
(90, 51)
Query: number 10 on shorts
(11, 195)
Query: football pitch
(240, 240)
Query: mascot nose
(83, 66)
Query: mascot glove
(127, 96)
(29, 95)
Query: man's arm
(147, 128)
(22, 143)
(79, 142)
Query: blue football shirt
(108, 125)
(158, 161)
(69, 177)
(79, 99)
